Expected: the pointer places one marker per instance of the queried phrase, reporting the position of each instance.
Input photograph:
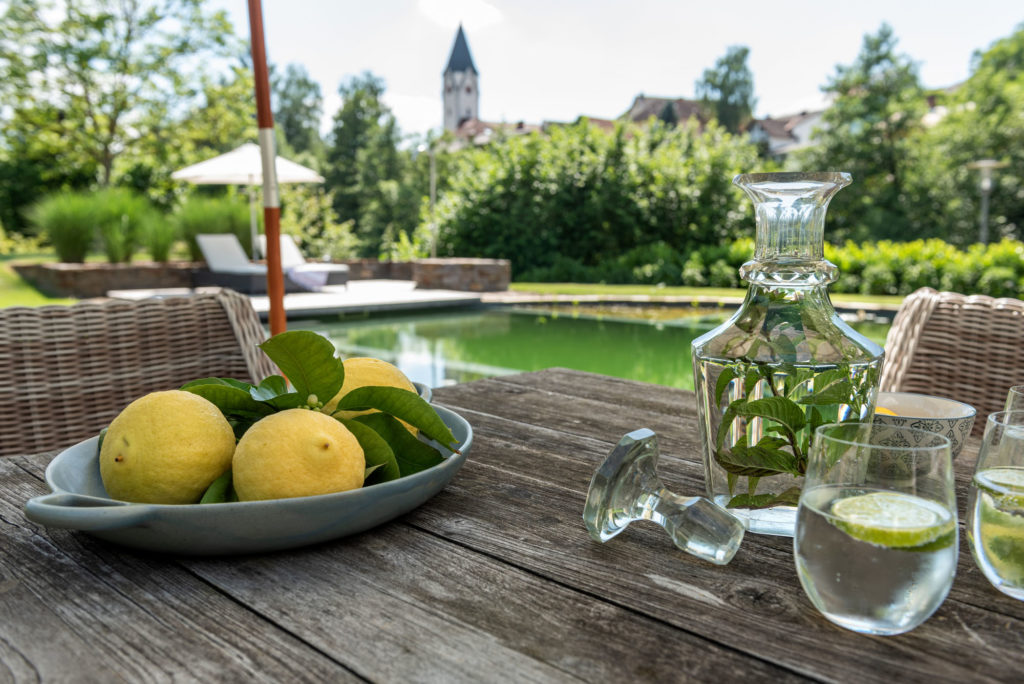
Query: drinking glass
(876, 533)
(1015, 399)
(995, 506)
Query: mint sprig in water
(788, 417)
(316, 375)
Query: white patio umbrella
(243, 166)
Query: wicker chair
(969, 348)
(67, 371)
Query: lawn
(16, 292)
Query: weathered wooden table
(495, 579)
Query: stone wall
(471, 275)
(95, 279)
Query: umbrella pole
(271, 201)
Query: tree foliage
(877, 105)
(580, 197)
(298, 105)
(727, 89)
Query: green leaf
(269, 388)
(761, 460)
(750, 501)
(308, 361)
(377, 451)
(727, 419)
(839, 393)
(367, 472)
(402, 404)
(750, 381)
(238, 384)
(731, 479)
(103, 436)
(218, 491)
(274, 390)
(781, 410)
(727, 376)
(232, 401)
(411, 454)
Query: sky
(554, 60)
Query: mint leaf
(411, 454)
(400, 403)
(377, 451)
(727, 419)
(761, 460)
(308, 361)
(781, 410)
(751, 501)
(727, 376)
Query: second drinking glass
(876, 532)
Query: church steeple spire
(460, 59)
(460, 92)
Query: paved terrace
(363, 296)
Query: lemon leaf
(400, 403)
(411, 454)
(307, 359)
(230, 382)
(378, 453)
(231, 401)
(218, 490)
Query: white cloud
(473, 14)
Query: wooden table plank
(495, 579)
(76, 609)
(758, 591)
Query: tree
(877, 106)
(92, 71)
(365, 168)
(727, 89)
(668, 114)
(984, 120)
(298, 105)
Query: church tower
(460, 94)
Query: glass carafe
(784, 363)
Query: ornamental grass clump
(68, 221)
(203, 215)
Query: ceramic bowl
(952, 419)
(79, 502)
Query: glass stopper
(626, 487)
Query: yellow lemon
(297, 452)
(885, 412)
(165, 448)
(361, 371)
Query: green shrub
(158, 235)
(998, 281)
(68, 221)
(120, 216)
(201, 215)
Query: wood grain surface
(494, 579)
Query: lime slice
(1005, 484)
(894, 520)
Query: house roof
(645, 107)
(460, 59)
(782, 126)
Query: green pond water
(649, 344)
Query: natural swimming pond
(650, 344)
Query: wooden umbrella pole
(271, 200)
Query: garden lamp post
(985, 166)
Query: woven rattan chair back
(67, 371)
(968, 348)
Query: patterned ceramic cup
(952, 419)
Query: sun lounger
(229, 266)
(317, 274)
